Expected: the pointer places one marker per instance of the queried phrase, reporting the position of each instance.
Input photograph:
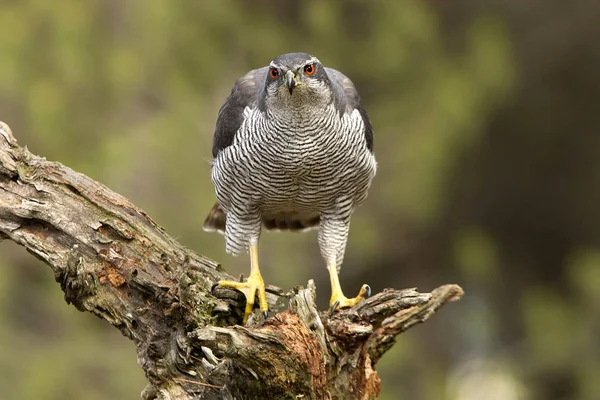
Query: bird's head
(297, 79)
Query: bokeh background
(488, 142)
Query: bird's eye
(309, 69)
(273, 73)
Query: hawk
(293, 150)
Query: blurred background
(488, 146)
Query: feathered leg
(239, 233)
(333, 234)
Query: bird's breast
(298, 164)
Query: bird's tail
(215, 220)
(291, 220)
(284, 220)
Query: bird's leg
(254, 284)
(333, 234)
(338, 300)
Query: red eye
(273, 73)
(309, 69)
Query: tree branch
(112, 260)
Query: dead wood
(112, 260)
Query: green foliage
(476, 255)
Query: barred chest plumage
(310, 159)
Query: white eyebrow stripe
(313, 60)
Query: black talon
(212, 288)
(266, 314)
(334, 307)
(368, 291)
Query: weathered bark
(112, 260)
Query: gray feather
(348, 100)
(245, 93)
(283, 220)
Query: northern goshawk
(293, 149)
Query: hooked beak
(290, 81)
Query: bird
(292, 150)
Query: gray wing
(231, 115)
(349, 100)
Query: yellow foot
(249, 288)
(338, 300)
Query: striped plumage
(291, 151)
